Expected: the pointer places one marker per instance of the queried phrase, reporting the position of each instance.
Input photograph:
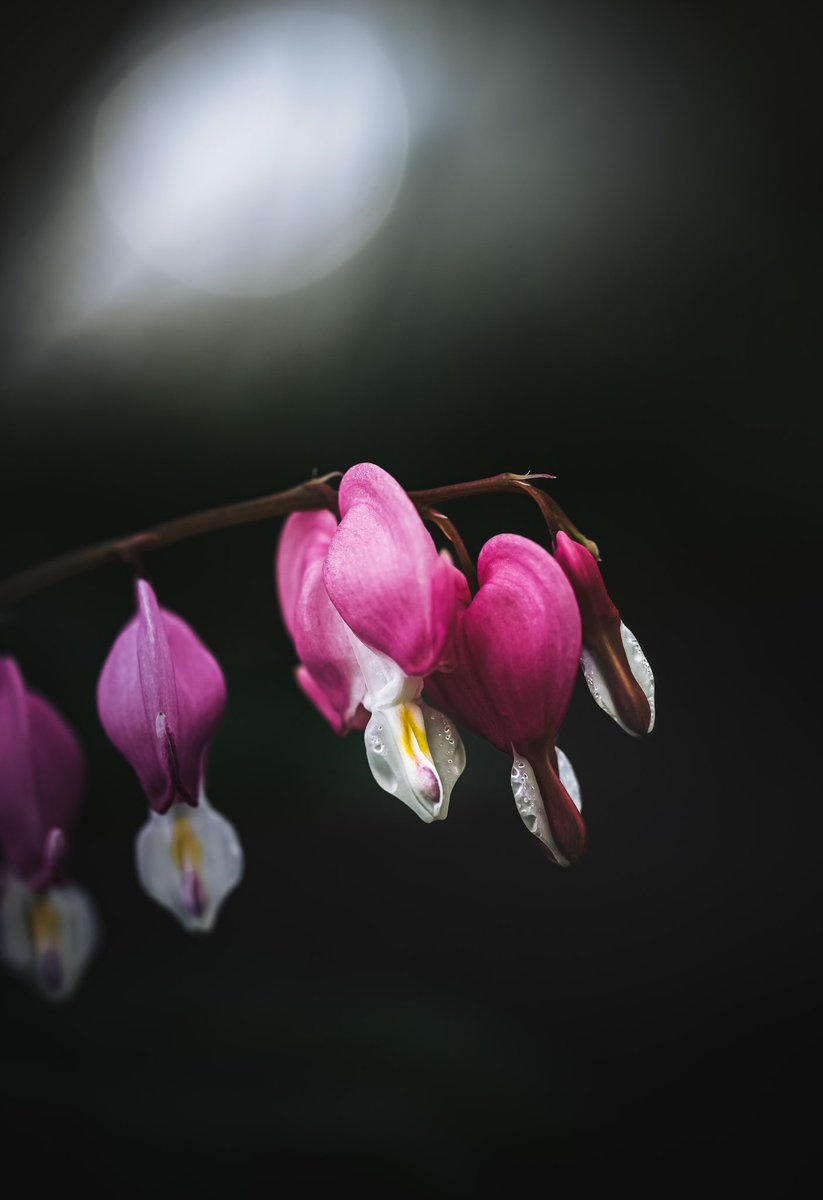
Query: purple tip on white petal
(416, 755)
(49, 936)
(189, 860)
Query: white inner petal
(447, 750)
(530, 805)
(48, 936)
(414, 752)
(188, 860)
(417, 755)
(640, 669)
(569, 779)
(385, 682)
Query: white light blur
(256, 155)
(219, 205)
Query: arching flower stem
(312, 495)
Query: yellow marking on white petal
(45, 923)
(186, 847)
(414, 732)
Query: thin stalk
(463, 557)
(308, 496)
(313, 494)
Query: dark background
(436, 1009)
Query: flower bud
(615, 668)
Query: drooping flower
(517, 645)
(48, 926)
(370, 605)
(615, 668)
(160, 697)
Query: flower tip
(48, 936)
(637, 718)
(189, 860)
(548, 802)
(416, 754)
(621, 682)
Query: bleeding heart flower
(48, 926)
(517, 645)
(370, 605)
(161, 696)
(614, 666)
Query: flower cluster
(393, 640)
(371, 607)
(160, 698)
(379, 619)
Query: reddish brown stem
(450, 530)
(310, 495)
(314, 494)
(555, 518)
(553, 514)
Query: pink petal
(384, 575)
(42, 779)
(322, 703)
(304, 539)
(330, 675)
(161, 696)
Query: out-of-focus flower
(370, 605)
(615, 668)
(516, 647)
(161, 696)
(48, 926)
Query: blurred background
(242, 244)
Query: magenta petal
(518, 647)
(161, 696)
(324, 647)
(321, 701)
(462, 693)
(42, 778)
(384, 575)
(304, 540)
(626, 685)
(583, 573)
